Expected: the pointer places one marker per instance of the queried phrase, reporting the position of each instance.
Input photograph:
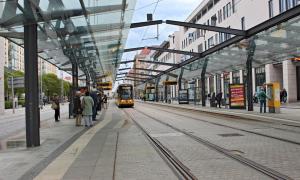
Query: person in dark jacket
(99, 102)
(57, 108)
(77, 110)
(95, 99)
(219, 98)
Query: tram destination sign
(18, 82)
(237, 98)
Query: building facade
(240, 15)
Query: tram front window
(126, 93)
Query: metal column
(180, 78)
(203, 95)
(166, 90)
(251, 50)
(74, 87)
(156, 89)
(31, 80)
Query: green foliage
(52, 85)
(8, 104)
(21, 103)
(7, 74)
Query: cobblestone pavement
(275, 154)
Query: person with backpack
(262, 96)
(87, 106)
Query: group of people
(216, 100)
(86, 106)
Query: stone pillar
(230, 78)
(290, 80)
(222, 85)
(253, 80)
(215, 84)
(2, 106)
(274, 74)
(241, 77)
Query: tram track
(179, 169)
(239, 129)
(261, 168)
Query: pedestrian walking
(219, 98)
(56, 107)
(87, 106)
(77, 110)
(262, 96)
(284, 95)
(213, 100)
(104, 101)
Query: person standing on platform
(77, 110)
(95, 99)
(284, 95)
(87, 106)
(262, 96)
(56, 107)
(219, 98)
(104, 101)
(99, 102)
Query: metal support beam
(74, 86)
(140, 74)
(166, 90)
(156, 88)
(251, 50)
(164, 50)
(125, 62)
(160, 63)
(180, 78)
(203, 86)
(31, 82)
(207, 27)
(147, 23)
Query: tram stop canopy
(88, 33)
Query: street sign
(18, 82)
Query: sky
(162, 10)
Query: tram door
(298, 82)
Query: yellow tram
(124, 95)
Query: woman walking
(87, 106)
(56, 107)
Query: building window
(224, 12)
(260, 76)
(216, 39)
(214, 20)
(287, 4)
(220, 16)
(200, 48)
(210, 42)
(228, 9)
(271, 13)
(233, 6)
(236, 77)
(243, 23)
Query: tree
(52, 85)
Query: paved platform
(290, 115)
(117, 149)
(19, 162)
(113, 149)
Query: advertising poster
(237, 98)
(183, 96)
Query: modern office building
(242, 15)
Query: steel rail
(235, 128)
(174, 163)
(261, 168)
